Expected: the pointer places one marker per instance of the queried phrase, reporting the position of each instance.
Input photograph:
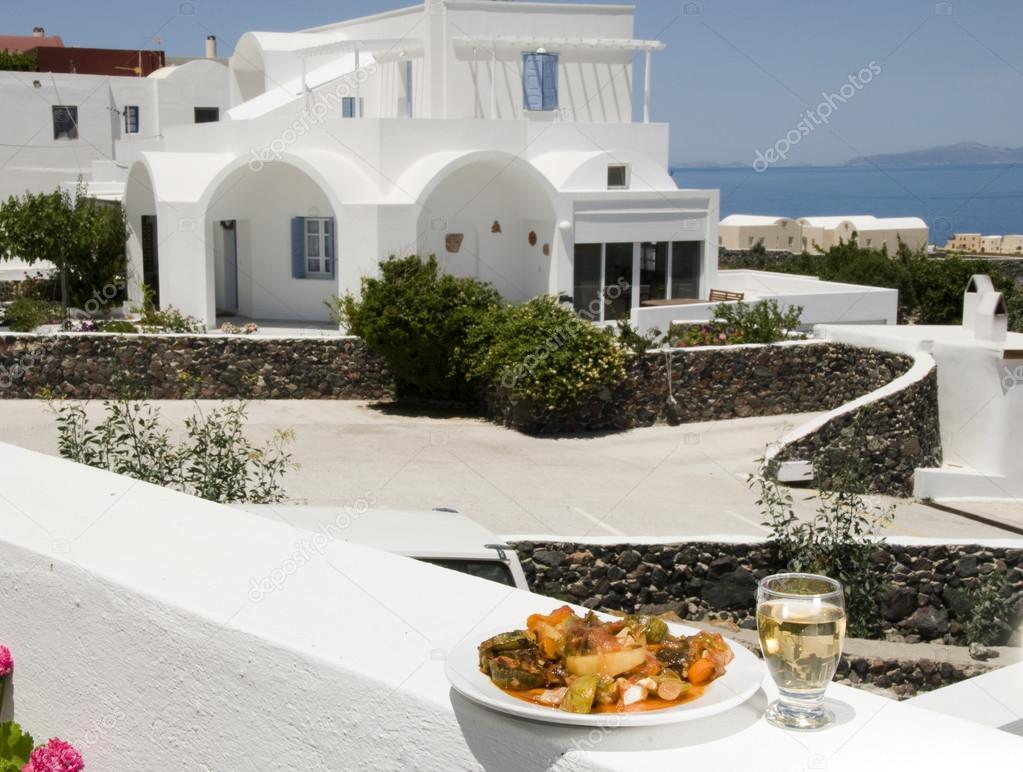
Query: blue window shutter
(550, 81)
(532, 81)
(347, 107)
(331, 245)
(297, 247)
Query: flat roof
(753, 219)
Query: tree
(85, 239)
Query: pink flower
(55, 756)
(722, 336)
(6, 662)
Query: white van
(442, 537)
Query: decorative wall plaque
(453, 242)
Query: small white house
(55, 126)
(503, 137)
(745, 231)
(870, 232)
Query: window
(603, 281)
(685, 269)
(207, 114)
(312, 248)
(348, 106)
(131, 119)
(317, 250)
(493, 570)
(540, 81)
(65, 122)
(617, 176)
(653, 271)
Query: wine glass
(801, 623)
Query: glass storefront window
(685, 269)
(586, 292)
(653, 271)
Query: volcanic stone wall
(105, 366)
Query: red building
(53, 56)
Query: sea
(950, 199)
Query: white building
(55, 126)
(745, 231)
(870, 232)
(499, 136)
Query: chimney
(211, 46)
(38, 32)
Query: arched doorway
(143, 248)
(491, 217)
(274, 240)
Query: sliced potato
(608, 663)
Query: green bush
(215, 462)
(118, 325)
(993, 610)
(20, 61)
(544, 353)
(637, 343)
(24, 314)
(838, 541)
(930, 288)
(762, 322)
(419, 319)
(169, 319)
(735, 323)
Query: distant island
(962, 153)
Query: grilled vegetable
(518, 671)
(701, 671)
(580, 695)
(503, 643)
(674, 655)
(670, 686)
(656, 629)
(607, 690)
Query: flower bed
(18, 752)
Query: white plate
(741, 681)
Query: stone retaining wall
(879, 444)
(904, 678)
(100, 366)
(927, 595)
(715, 383)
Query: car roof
(418, 534)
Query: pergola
(532, 43)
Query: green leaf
(15, 746)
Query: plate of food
(598, 670)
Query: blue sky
(737, 74)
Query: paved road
(660, 481)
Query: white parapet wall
(980, 402)
(823, 302)
(163, 633)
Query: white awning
(531, 42)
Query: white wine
(802, 642)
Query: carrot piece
(701, 671)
